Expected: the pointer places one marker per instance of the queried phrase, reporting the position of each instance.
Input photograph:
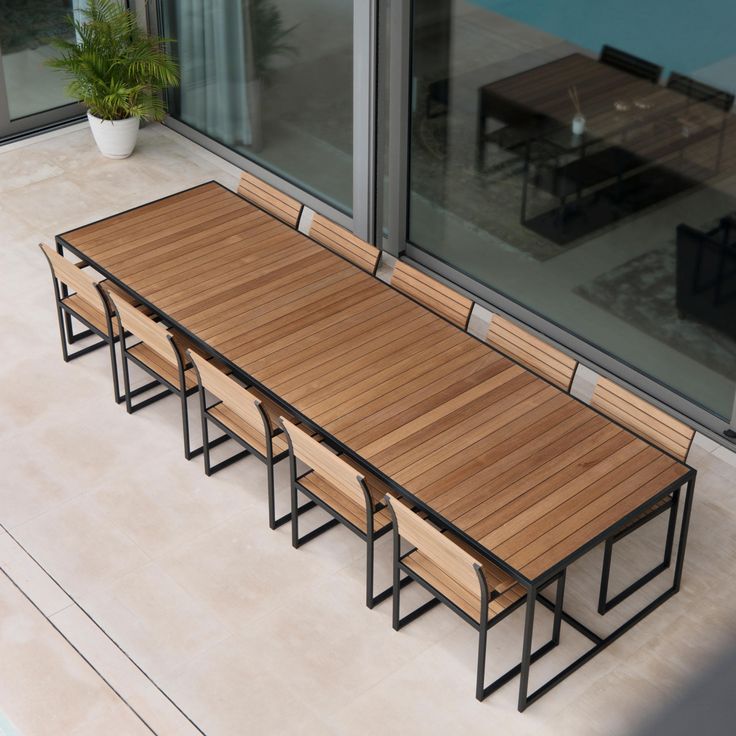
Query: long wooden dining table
(528, 475)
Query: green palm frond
(115, 68)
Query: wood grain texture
(515, 464)
(535, 354)
(344, 243)
(269, 198)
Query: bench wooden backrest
(631, 64)
(532, 352)
(68, 273)
(344, 243)
(451, 559)
(317, 456)
(700, 92)
(235, 397)
(642, 418)
(269, 198)
(153, 334)
(432, 294)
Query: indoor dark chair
(351, 495)
(79, 295)
(469, 584)
(631, 64)
(243, 415)
(700, 92)
(667, 433)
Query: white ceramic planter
(114, 138)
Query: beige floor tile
(229, 692)
(156, 621)
(46, 688)
(79, 549)
(126, 677)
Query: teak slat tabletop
(524, 472)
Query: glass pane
(580, 158)
(24, 32)
(273, 80)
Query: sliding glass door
(578, 159)
(31, 94)
(273, 81)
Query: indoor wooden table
(526, 474)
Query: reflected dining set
(637, 142)
(491, 478)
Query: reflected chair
(80, 296)
(351, 495)
(345, 244)
(245, 416)
(630, 64)
(530, 351)
(468, 583)
(433, 295)
(700, 92)
(268, 198)
(160, 354)
(667, 433)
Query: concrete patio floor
(138, 596)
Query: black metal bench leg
(481, 669)
(604, 604)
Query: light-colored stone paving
(172, 587)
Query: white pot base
(114, 138)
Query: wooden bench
(470, 584)
(435, 296)
(352, 496)
(247, 417)
(160, 354)
(530, 351)
(667, 433)
(345, 244)
(79, 295)
(270, 199)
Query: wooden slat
(76, 279)
(642, 418)
(432, 294)
(269, 198)
(344, 243)
(153, 334)
(235, 397)
(343, 476)
(532, 352)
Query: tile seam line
(102, 630)
(68, 641)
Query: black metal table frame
(532, 586)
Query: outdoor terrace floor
(139, 596)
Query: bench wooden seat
(467, 600)
(344, 243)
(345, 505)
(530, 351)
(345, 490)
(435, 296)
(235, 423)
(470, 583)
(163, 368)
(663, 431)
(270, 199)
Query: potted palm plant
(117, 72)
